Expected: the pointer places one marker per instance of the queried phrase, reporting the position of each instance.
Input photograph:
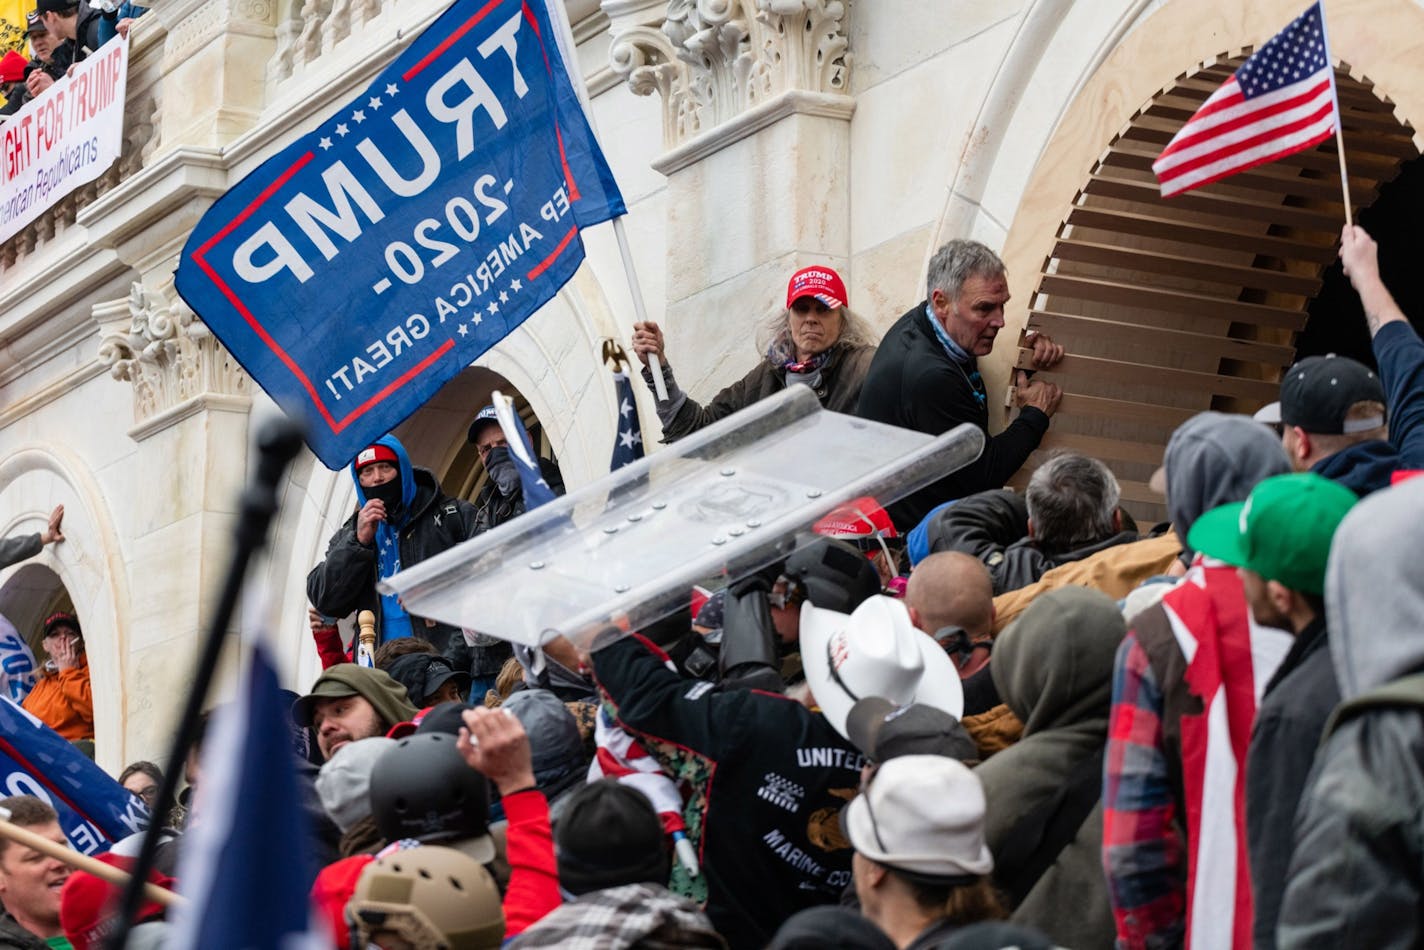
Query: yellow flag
(12, 25)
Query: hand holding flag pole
(1282, 100)
(564, 36)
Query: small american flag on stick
(1282, 100)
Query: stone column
(214, 65)
(756, 123)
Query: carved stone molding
(166, 352)
(711, 60)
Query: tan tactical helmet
(427, 898)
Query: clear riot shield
(628, 548)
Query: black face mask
(389, 493)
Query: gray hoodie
(1355, 876)
(1374, 590)
(1214, 459)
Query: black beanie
(609, 835)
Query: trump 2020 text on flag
(369, 262)
(1282, 100)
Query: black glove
(502, 471)
(749, 657)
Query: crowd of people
(60, 33)
(1006, 720)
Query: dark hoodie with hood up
(1053, 667)
(1357, 873)
(422, 522)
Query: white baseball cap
(923, 814)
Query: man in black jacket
(502, 498)
(925, 375)
(402, 518)
(770, 775)
(1068, 512)
(1279, 540)
(73, 24)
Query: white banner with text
(66, 137)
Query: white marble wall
(939, 130)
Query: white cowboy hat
(874, 651)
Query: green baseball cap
(1282, 531)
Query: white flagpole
(564, 37)
(1339, 125)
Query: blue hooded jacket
(395, 622)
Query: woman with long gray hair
(816, 341)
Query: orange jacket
(64, 702)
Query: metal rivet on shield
(719, 540)
(729, 471)
(635, 518)
(535, 565)
(611, 529)
(753, 523)
(621, 589)
(814, 493)
(735, 532)
(659, 505)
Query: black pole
(277, 444)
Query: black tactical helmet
(832, 574)
(423, 789)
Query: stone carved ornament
(713, 59)
(169, 355)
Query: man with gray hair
(1069, 512)
(925, 376)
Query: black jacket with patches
(770, 778)
(912, 383)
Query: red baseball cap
(817, 281)
(12, 67)
(372, 454)
(861, 518)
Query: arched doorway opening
(30, 595)
(1336, 322)
(1172, 307)
(436, 435)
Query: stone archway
(30, 594)
(88, 566)
(1176, 307)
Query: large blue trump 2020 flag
(368, 263)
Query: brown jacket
(1115, 571)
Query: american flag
(628, 445)
(1280, 101)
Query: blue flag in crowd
(531, 478)
(364, 266)
(94, 810)
(246, 866)
(628, 444)
(17, 663)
